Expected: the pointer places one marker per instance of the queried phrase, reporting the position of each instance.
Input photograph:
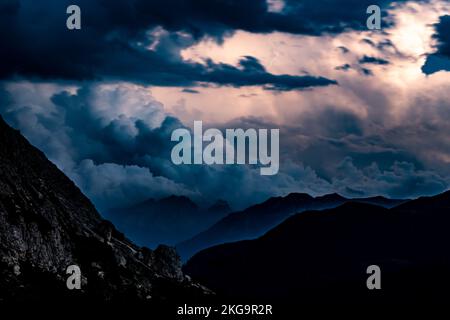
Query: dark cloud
(115, 38)
(373, 60)
(441, 59)
(250, 72)
(344, 67)
(187, 90)
(369, 42)
(366, 72)
(343, 49)
(443, 35)
(385, 44)
(9, 7)
(332, 123)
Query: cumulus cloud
(96, 135)
(401, 179)
(115, 186)
(350, 155)
(113, 140)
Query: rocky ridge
(47, 224)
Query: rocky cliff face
(47, 224)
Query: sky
(361, 112)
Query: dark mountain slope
(168, 220)
(258, 219)
(47, 224)
(321, 257)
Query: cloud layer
(120, 155)
(113, 140)
(140, 41)
(356, 113)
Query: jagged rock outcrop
(47, 224)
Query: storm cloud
(140, 41)
(92, 99)
(440, 60)
(114, 142)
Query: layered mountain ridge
(254, 221)
(168, 220)
(321, 257)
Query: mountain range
(302, 250)
(258, 219)
(321, 257)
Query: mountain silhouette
(321, 257)
(168, 220)
(47, 224)
(258, 219)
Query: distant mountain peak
(256, 220)
(178, 200)
(320, 257)
(297, 196)
(441, 201)
(220, 205)
(168, 220)
(331, 197)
